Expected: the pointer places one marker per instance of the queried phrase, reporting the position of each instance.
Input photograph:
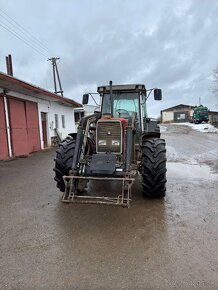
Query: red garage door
(24, 127)
(32, 126)
(18, 127)
(3, 133)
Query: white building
(31, 118)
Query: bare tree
(214, 86)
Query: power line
(24, 34)
(5, 26)
(23, 30)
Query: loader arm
(81, 139)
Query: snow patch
(211, 155)
(173, 156)
(204, 128)
(163, 128)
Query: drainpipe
(7, 126)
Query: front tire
(63, 161)
(153, 168)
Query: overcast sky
(169, 44)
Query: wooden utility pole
(56, 74)
(199, 101)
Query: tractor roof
(122, 88)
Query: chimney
(9, 65)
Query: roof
(212, 112)
(11, 83)
(178, 106)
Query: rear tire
(63, 161)
(153, 168)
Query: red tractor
(114, 144)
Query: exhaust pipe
(111, 96)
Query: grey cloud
(172, 45)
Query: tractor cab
(125, 101)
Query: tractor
(114, 144)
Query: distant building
(213, 117)
(90, 109)
(86, 110)
(176, 114)
(31, 118)
(78, 115)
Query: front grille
(109, 136)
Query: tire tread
(63, 161)
(154, 168)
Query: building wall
(167, 116)
(60, 110)
(213, 118)
(177, 114)
(50, 108)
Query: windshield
(123, 104)
(201, 111)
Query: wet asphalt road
(156, 244)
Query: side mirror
(85, 99)
(157, 94)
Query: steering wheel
(123, 112)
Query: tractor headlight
(102, 143)
(115, 142)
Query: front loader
(114, 144)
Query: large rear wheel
(153, 168)
(64, 160)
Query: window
(63, 121)
(123, 104)
(78, 116)
(56, 121)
